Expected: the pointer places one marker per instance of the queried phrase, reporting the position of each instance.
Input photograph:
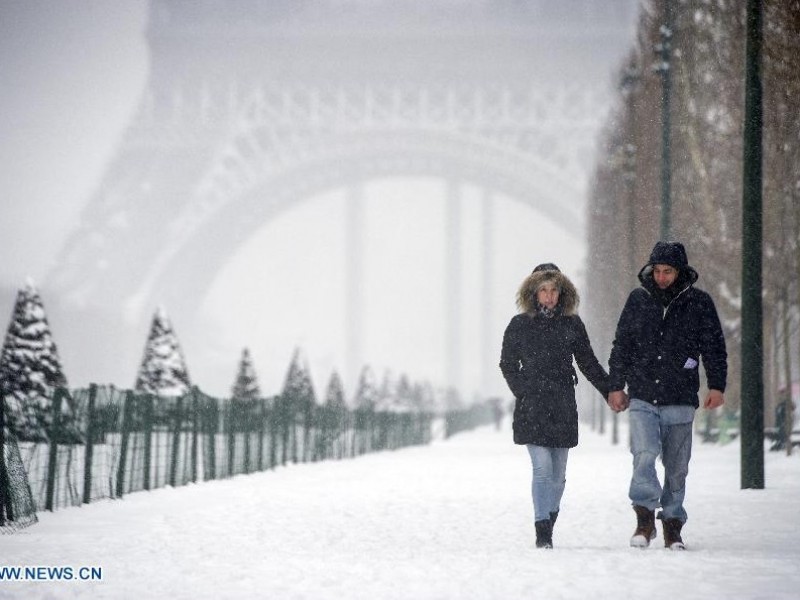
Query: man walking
(666, 328)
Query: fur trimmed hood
(568, 298)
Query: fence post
(273, 432)
(90, 435)
(195, 426)
(52, 463)
(358, 421)
(286, 434)
(308, 423)
(147, 426)
(246, 429)
(262, 427)
(210, 426)
(176, 439)
(4, 495)
(127, 408)
(230, 410)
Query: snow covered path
(451, 520)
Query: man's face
(664, 275)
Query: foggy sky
(72, 74)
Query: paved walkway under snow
(450, 520)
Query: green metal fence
(134, 442)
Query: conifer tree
(404, 394)
(452, 399)
(335, 400)
(30, 369)
(334, 395)
(334, 416)
(246, 385)
(422, 396)
(365, 402)
(243, 405)
(386, 391)
(163, 370)
(297, 399)
(366, 393)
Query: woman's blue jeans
(549, 478)
(664, 431)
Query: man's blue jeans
(665, 431)
(549, 478)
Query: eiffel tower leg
(453, 283)
(354, 305)
(488, 345)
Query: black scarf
(548, 313)
(667, 295)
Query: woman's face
(547, 295)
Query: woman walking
(536, 360)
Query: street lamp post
(752, 413)
(664, 68)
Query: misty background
(74, 74)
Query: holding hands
(618, 401)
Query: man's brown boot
(645, 527)
(672, 534)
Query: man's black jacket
(657, 349)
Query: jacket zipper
(666, 308)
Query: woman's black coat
(536, 361)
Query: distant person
(784, 419)
(666, 327)
(497, 411)
(536, 360)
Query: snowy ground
(451, 520)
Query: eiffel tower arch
(254, 106)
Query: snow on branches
(30, 369)
(163, 370)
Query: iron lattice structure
(253, 106)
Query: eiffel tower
(253, 106)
